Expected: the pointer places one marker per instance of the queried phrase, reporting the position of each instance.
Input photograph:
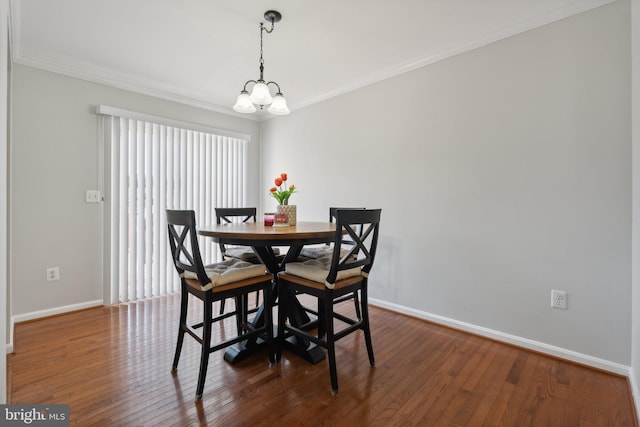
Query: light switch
(93, 196)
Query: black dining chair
(330, 278)
(227, 279)
(244, 253)
(236, 215)
(326, 250)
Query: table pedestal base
(313, 353)
(237, 352)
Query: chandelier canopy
(260, 93)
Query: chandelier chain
(260, 93)
(261, 29)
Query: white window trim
(104, 168)
(106, 110)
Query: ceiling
(200, 52)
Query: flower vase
(290, 210)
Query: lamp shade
(279, 105)
(244, 103)
(260, 94)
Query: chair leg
(245, 308)
(331, 345)
(321, 320)
(206, 345)
(282, 318)
(240, 313)
(365, 325)
(268, 321)
(356, 302)
(184, 301)
(222, 306)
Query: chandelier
(260, 94)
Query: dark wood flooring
(112, 365)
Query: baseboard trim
(9, 346)
(538, 346)
(56, 310)
(533, 345)
(635, 391)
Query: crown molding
(152, 88)
(123, 81)
(574, 8)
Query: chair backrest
(362, 227)
(228, 215)
(332, 215)
(183, 240)
(332, 212)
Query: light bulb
(244, 103)
(279, 105)
(260, 94)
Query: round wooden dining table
(263, 239)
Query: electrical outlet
(559, 299)
(53, 274)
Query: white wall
(503, 173)
(635, 331)
(4, 187)
(515, 158)
(54, 161)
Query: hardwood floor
(112, 365)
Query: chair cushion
(228, 271)
(243, 252)
(317, 270)
(316, 251)
(320, 251)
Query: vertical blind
(154, 167)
